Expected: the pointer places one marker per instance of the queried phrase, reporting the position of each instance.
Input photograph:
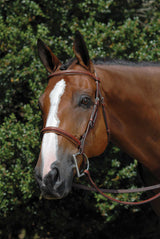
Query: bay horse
(77, 127)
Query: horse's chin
(55, 196)
(48, 197)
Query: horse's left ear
(81, 52)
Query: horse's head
(67, 105)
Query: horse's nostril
(52, 177)
(54, 174)
(52, 184)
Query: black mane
(108, 61)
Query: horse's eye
(85, 102)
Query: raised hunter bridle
(80, 143)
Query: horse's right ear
(49, 60)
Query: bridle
(80, 143)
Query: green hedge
(115, 29)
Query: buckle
(80, 174)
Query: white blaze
(50, 140)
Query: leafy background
(121, 29)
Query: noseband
(80, 143)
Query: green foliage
(115, 29)
(19, 147)
(114, 174)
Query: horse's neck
(132, 97)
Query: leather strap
(63, 133)
(116, 200)
(74, 72)
(117, 191)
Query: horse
(85, 105)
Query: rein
(94, 187)
(80, 143)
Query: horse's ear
(81, 52)
(49, 60)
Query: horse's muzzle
(52, 185)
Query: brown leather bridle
(80, 143)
